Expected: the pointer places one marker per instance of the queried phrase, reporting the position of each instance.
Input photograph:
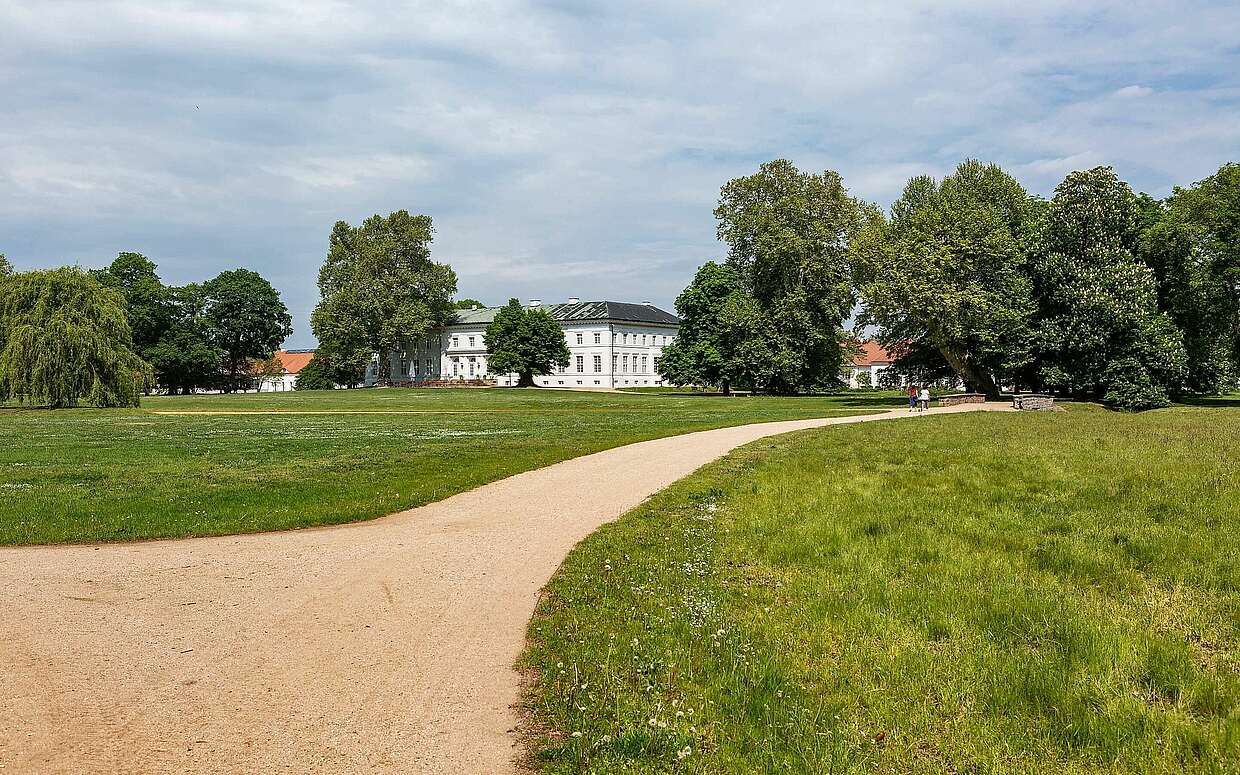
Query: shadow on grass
(1212, 401)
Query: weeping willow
(65, 341)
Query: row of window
(619, 338)
(619, 364)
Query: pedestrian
(912, 397)
(923, 398)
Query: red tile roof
(872, 352)
(294, 362)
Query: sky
(562, 149)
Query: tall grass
(983, 593)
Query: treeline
(1099, 293)
(102, 337)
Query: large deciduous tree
(185, 358)
(246, 320)
(788, 236)
(1193, 245)
(315, 375)
(1099, 333)
(526, 341)
(148, 302)
(715, 319)
(949, 270)
(380, 289)
(6, 269)
(65, 340)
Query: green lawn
(314, 458)
(1051, 593)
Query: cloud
(562, 148)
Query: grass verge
(313, 458)
(979, 593)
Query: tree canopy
(715, 318)
(1098, 330)
(380, 289)
(528, 342)
(949, 270)
(788, 234)
(148, 303)
(246, 320)
(468, 304)
(315, 375)
(65, 340)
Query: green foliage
(1193, 245)
(715, 316)
(787, 234)
(1099, 333)
(315, 375)
(1054, 593)
(468, 304)
(65, 340)
(526, 341)
(148, 304)
(6, 269)
(949, 270)
(246, 319)
(380, 289)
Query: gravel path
(383, 646)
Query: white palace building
(611, 344)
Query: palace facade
(611, 344)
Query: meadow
(287, 460)
(1007, 593)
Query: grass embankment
(313, 458)
(981, 593)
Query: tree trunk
(727, 388)
(974, 377)
(525, 379)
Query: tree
(949, 269)
(315, 375)
(65, 340)
(380, 289)
(526, 341)
(147, 300)
(787, 234)
(714, 316)
(1098, 332)
(468, 304)
(1192, 242)
(185, 358)
(6, 269)
(246, 320)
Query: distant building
(293, 362)
(610, 343)
(868, 366)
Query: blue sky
(563, 149)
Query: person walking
(923, 399)
(912, 397)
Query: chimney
(574, 300)
(535, 303)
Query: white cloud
(1133, 92)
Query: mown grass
(311, 458)
(1051, 592)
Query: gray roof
(582, 311)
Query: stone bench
(962, 398)
(1033, 403)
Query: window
(404, 366)
(471, 341)
(598, 338)
(579, 338)
(643, 364)
(472, 364)
(456, 366)
(624, 364)
(598, 364)
(454, 342)
(581, 363)
(643, 338)
(613, 363)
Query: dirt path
(382, 646)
